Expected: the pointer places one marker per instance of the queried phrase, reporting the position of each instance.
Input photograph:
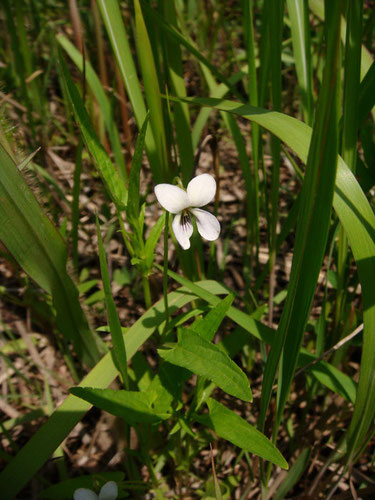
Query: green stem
(165, 271)
(146, 292)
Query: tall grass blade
(113, 22)
(300, 28)
(113, 319)
(314, 220)
(152, 91)
(181, 110)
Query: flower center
(185, 220)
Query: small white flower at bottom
(200, 191)
(108, 492)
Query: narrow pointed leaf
(208, 326)
(134, 407)
(235, 429)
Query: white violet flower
(108, 492)
(200, 191)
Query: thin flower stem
(146, 292)
(165, 271)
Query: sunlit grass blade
(40, 251)
(113, 319)
(111, 178)
(181, 110)
(349, 140)
(112, 18)
(152, 92)
(99, 93)
(300, 28)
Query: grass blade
(299, 21)
(39, 250)
(152, 91)
(113, 319)
(113, 22)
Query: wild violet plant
(208, 355)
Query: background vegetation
(241, 368)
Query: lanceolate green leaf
(208, 360)
(235, 429)
(358, 220)
(134, 407)
(39, 249)
(208, 326)
(328, 375)
(62, 421)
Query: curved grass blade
(39, 249)
(113, 319)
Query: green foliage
(249, 92)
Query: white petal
(208, 225)
(84, 494)
(109, 491)
(201, 190)
(172, 198)
(182, 232)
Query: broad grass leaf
(39, 249)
